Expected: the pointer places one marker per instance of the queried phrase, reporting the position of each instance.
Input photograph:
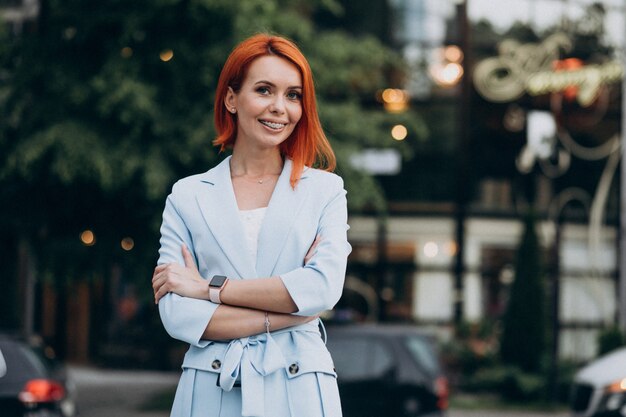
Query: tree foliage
(96, 124)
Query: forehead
(274, 69)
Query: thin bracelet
(267, 322)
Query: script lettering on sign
(528, 68)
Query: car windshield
(3, 365)
(22, 364)
(423, 353)
(360, 358)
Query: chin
(274, 140)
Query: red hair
(307, 145)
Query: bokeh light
(399, 132)
(88, 238)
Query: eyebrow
(274, 85)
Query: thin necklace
(257, 180)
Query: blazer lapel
(281, 213)
(219, 209)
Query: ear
(230, 101)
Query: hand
(185, 281)
(312, 249)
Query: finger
(160, 273)
(156, 283)
(161, 267)
(155, 291)
(165, 286)
(189, 262)
(155, 274)
(168, 279)
(159, 294)
(161, 279)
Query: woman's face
(269, 103)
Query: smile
(272, 125)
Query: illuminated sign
(528, 68)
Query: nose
(278, 105)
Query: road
(107, 393)
(496, 413)
(115, 393)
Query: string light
(395, 100)
(166, 55)
(448, 71)
(127, 243)
(399, 132)
(88, 238)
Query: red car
(32, 384)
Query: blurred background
(479, 141)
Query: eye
(263, 90)
(294, 95)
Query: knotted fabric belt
(253, 358)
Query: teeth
(272, 125)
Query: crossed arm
(293, 298)
(244, 302)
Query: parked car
(387, 370)
(599, 389)
(33, 384)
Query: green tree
(609, 339)
(104, 105)
(524, 332)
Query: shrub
(474, 347)
(609, 339)
(510, 382)
(523, 335)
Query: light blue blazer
(202, 213)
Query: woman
(254, 249)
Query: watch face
(217, 281)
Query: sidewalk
(122, 393)
(119, 393)
(508, 413)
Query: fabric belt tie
(253, 357)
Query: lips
(273, 125)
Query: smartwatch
(216, 285)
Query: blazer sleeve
(184, 318)
(317, 286)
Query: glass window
(421, 350)
(350, 357)
(382, 358)
(358, 358)
(3, 365)
(21, 366)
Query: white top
(251, 221)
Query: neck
(256, 164)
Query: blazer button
(293, 368)
(216, 364)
